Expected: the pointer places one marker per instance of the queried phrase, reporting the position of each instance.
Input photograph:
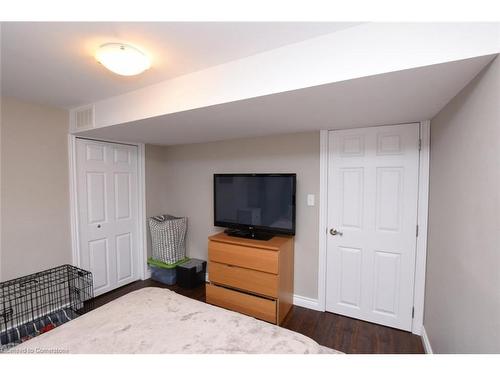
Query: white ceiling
(53, 63)
(397, 97)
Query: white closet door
(372, 218)
(107, 212)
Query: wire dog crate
(33, 304)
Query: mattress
(155, 320)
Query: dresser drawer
(256, 259)
(260, 308)
(243, 278)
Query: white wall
(35, 232)
(462, 302)
(188, 185)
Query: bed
(156, 320)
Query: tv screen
(264, 202)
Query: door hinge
(416, 231)
(419, 144)
(413, 312)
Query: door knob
(98, 225)
(334, 232)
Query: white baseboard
(426, 343)
(308, 303)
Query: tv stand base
(261, 236)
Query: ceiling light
(122, 59)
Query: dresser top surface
(274, 243)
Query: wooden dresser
(251, 276)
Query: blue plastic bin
(163, 275)
(163, 272)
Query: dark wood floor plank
(334, 331)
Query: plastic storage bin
(163, 275)
(191, 273)
(162, 272)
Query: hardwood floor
(331, 330)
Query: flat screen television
(255, 205)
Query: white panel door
(107, 212)
(372, 218)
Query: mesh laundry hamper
(168, 238)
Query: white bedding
(155, 320)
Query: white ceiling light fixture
(122, 59)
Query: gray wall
(156, 189)
(188, 181)
(35, 232)
(462, 302)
